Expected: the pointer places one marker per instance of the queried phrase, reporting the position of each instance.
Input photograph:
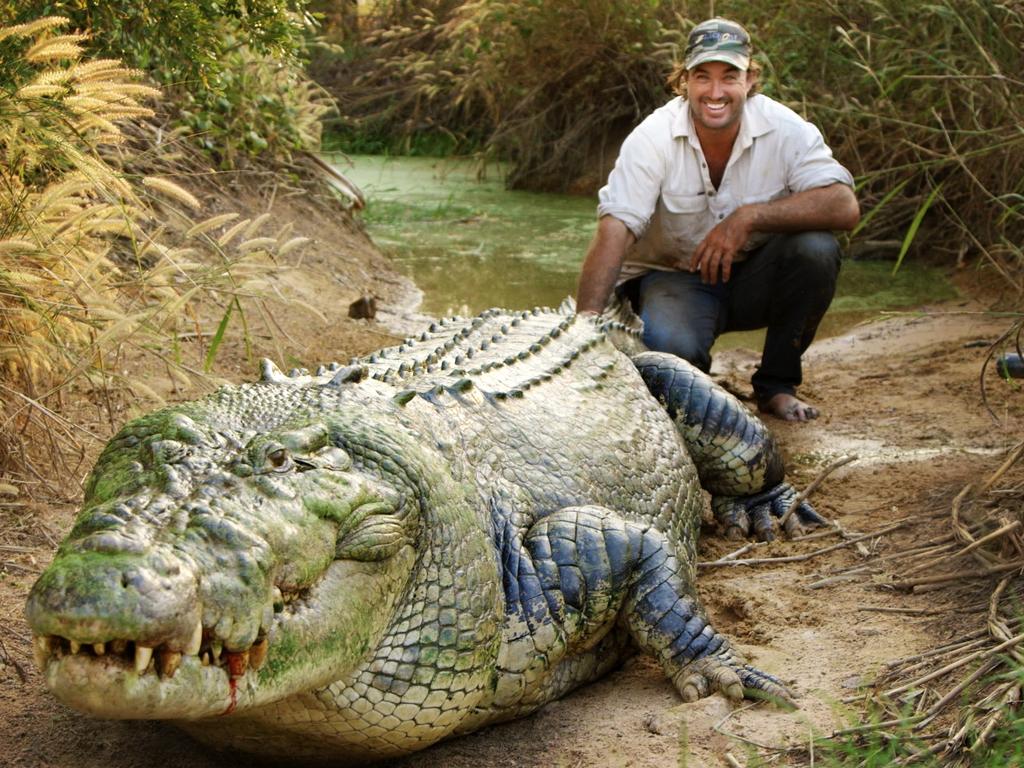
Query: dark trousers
(785, 286)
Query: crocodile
(359, 562)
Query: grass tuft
(95, 260)
(173, 191)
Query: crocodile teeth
(143, 656)
(41, 647)
(258, 654)
(238, 662)
(75, 646)
(206, 659)
(196, 641)
(167, 663)
(99, 648)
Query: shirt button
(711, 193)
(721, 216)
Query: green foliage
(340, 136)
(235, 65)
(875, 748)
(987, 730)
(255, 104)
(179, 42)
(1008, 744)
(901, 745)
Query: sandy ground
(901, 394)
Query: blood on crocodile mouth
(162, 660)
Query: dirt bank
(900, 394)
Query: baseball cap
(718, 40)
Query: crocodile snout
(99, 597)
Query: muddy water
(470, 244)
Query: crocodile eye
(278, 458)
(266, 454)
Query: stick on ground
(806, 492)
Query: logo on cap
(718, 40)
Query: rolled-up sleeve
(634, 184)
(815, 166)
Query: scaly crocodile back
(502, 353)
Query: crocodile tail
(620, 310)
(623, 326)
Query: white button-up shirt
(661, 190)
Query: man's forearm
(826, 208)
(602, 265)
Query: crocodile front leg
(597, 570)
(737, 458)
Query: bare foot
(788, 408)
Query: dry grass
(924, 104)
(957, 698)
(96, 260)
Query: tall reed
(548, 86)
(925, 104)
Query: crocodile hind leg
(737, 458)
(598, 571)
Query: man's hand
(716, 252)
(822, 208)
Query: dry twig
(725, 561)
(806, 492)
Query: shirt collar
(752, 124)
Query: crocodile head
(229, 552)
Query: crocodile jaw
(214, 568)
(322, 639)
(110, 687)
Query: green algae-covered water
(470, 244)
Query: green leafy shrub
(256, 104)
(181, 43)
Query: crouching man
(718, 217)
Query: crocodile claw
(758, 515)
(726, 674)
